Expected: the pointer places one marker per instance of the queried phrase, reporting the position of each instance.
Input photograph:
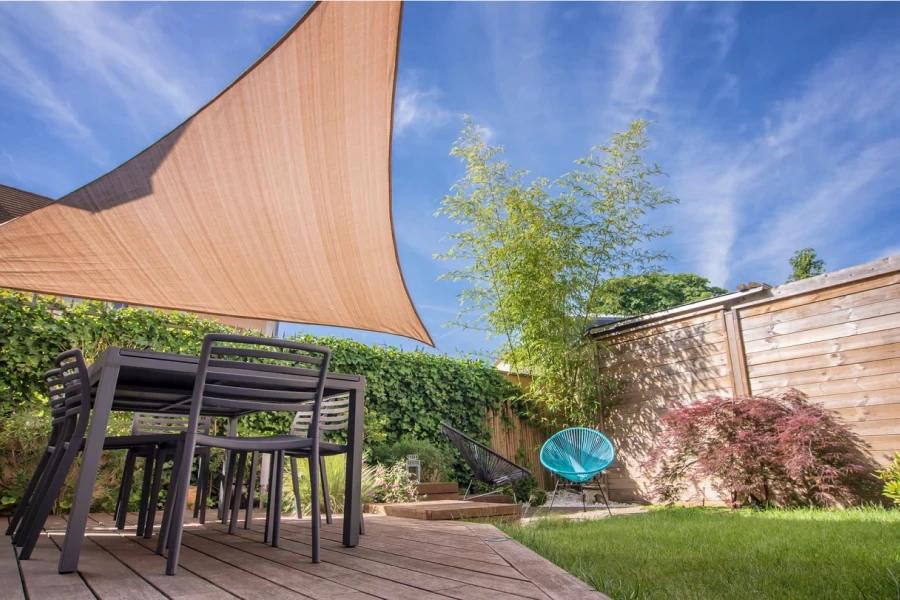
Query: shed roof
(15, 203)
(273, 201)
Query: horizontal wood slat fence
(835, 337)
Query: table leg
(90, 461)
(354, 467)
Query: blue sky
(777, 123)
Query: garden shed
(834, 337)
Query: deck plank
(150, 566)
(367, 560)
(396, 586)
(42, 579)
(10, 579)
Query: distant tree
(806, 263)
(650, 292)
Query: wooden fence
(835, 337)
(520, 442)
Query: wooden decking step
(444, 510)
(430, 497)
(437, 488)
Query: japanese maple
(768, 449)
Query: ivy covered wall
(410, 391)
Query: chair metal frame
(334, 416)
(487, 466)
(225, 379)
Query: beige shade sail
(273, 201)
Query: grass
(704, 553)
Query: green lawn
(707, 553)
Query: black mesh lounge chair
(487, 466)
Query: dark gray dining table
(146, 381)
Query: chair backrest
(577, 454)
(56, 399)
(333, 416)
(154, 423)
(69, 389)
(486, 465)
(284, 376)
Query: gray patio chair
(226, 380)
(69, 390)
(155, 458)
(334, 416)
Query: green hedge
(407, 393)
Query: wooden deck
(397, 559)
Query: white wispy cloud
(639, 65)
(810, 169)
(274, 12)
(418, 109)
(118, 54)
(22, 78)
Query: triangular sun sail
(273, 201)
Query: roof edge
(717, 302)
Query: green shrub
(891, 478)
(528, 491)
(23, 439)
(437, 462)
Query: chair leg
(295, 482)
(314, 498)
(583, 505)
(248, 516)
(204, 482)
(279, 494)
(362, 522)
(555, 489)
(27, 497)
(48, 497)
(43, 488)
(238, 492)
(171, 500)
(199, 487)
(326, 496)
(146, 480)
(605, 500)
(270, 504)
(177, 521)
(154, 492)
(229, 481)
(125, 489)
(468, 489)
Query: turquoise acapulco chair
(577, 455)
